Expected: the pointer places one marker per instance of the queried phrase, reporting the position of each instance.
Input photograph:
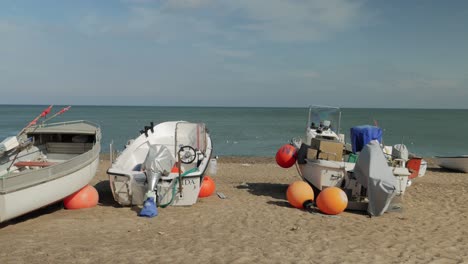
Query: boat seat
(68, 147)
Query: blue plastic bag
(149, 208)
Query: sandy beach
(255, 224)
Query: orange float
(86, 197)
(300, 194)
(207, 187)
(286, 156)
(332, 201)
(175, 169)
(413, 166)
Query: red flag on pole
(33, 122)
(58, 113)
(46, 111)
(64, 110)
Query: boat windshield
(191, 134)
(324, 117)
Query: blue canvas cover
(361, 135)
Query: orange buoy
(286, 156)
(413, 166)
(175, 169)
(86, 197)
(300, 194)
(207, 187)
(332, 201)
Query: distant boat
(46, 163)
(458, 163)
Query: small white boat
(457, 163)
(167, 160)
(320, 158)
(46, 163)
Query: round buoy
(86, 197)
(286, 156)
(332, 201)
(207, 187)
(300, 194)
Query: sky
(265, 53)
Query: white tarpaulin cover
(159, 159)
(373, 172)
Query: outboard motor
(158, 162)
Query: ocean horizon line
(220, 106)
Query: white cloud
(290, 21)
(242, 20)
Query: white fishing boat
(46, 163)
(167, 161)
(457, 163)
(323, 156)
(324, 159)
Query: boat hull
(129, 185)
(64, 167)
(458, 163)
(324, 173)
(29, 199)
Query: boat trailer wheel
(187, 154)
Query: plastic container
(213, 166)
(352, 158)
(422, 168)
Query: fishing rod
(43, 114)
(58, 113)
(34, 121)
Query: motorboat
(456, 163)
(167, 161)
(323, 156)
(324, 159)
(45, 163)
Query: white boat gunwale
(12, 182)
(77, 163)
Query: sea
(260, 131)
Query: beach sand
(255, 224)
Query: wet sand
(255, 224)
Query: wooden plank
(34, 164)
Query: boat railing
(13, 181)
(68, 123)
